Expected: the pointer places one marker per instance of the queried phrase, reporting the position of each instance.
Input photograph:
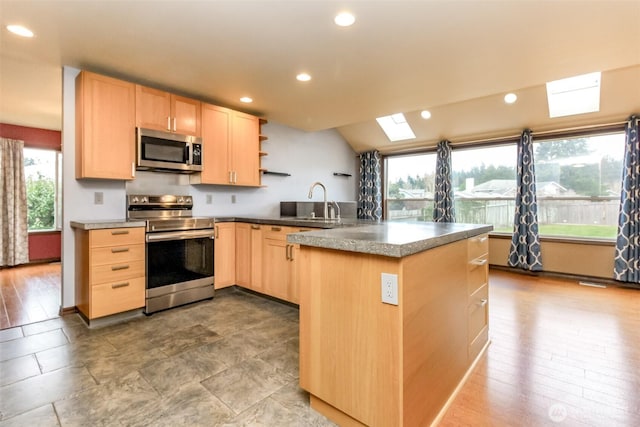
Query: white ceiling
(456, 58)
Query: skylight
(574, 95)
(396, 127)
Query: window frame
(57, 196)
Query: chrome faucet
(324, 189)
(335, 211)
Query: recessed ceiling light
(344, 19)
(246, 99)
(425, 114)
(303, 77)
(510, 98)
(20, 30)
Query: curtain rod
(511, 138)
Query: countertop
(392, 239)
(105, 223)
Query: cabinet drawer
(117, 254)
(477, 273)
(277, 232)
(478, 311)
(117, 236)
(477, 246)
(116, 272)
(116, 297)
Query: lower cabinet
(249, 256)
(224, 258)
(478, 291)
(110, 271)
(279, 266)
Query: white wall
(307, 156)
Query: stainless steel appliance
(157, 150)
(179, 250)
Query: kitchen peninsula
(366, 362)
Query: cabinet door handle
(217, 232)
(479, 262)
(290, 252)
(235, 177)
(255, 227)
(175, 127)
(119, 267)
(276, 228)
(119, 285)
(133, 169)
(119, 250)
(168, 122)
(483, 302)
(119, 232)
(286, 252)
(230, 177)
(483, 239)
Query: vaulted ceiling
(454, 58)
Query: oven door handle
(179, 235)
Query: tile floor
(230, 361)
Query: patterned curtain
(627, 259)
(14, 240)
(525, 242)
(370, 197)
(443, 210)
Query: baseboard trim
(64, 311)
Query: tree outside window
(42, 182)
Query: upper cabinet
(231, 148)
(156, 109)
(105, 127)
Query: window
(578, 185)
(484, 182)
(43, 175)
(409, 185)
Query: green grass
(573, 230)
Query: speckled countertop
(105, 223)
(393, 239)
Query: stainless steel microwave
(165, 151)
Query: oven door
(178, 261)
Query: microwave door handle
(189, 153)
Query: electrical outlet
(209, 198)
(389, 288)
(98, 198)
(233, 198)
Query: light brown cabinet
(225, 255)
(478, 290)
(279, 263)
(231, 148)
(249, 256)
(105, 127)
(160, 110)
(110, 271)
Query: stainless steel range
(179, 250)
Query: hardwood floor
(560, 354)
(29, 294)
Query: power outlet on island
(389, 288)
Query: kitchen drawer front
(478, 343)
(117, 254)
(477, 273)
(116, 297)
(477, 246)
(278, 232)
(116, 272)
(478, 311)
(117, 236)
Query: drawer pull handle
(255, 227)
(482, 239)
(276, 228)
(119, 267)
(118, 232)
(119, 285)
(119, 250)
(479, 262)
(483, 302)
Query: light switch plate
(98, 198)
(389, 289)
(209, 198)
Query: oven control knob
(144, 199)
(134, 199)
(180, 200)
(188, 200)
